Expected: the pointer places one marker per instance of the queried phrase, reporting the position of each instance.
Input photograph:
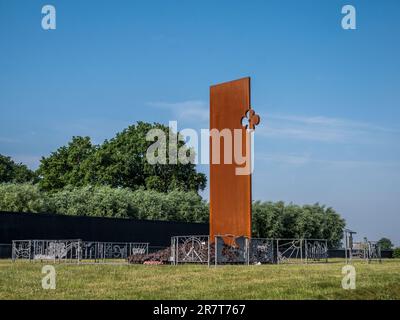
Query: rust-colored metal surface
(230, 193)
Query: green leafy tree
(105, 201)
(267, 219)
(122, 162)
(15, 172)
(119, 162)
(385, 244)
(22, 198)
(65, 166)
(100, 201)
(270, 220)
(333, 226)
(277, 220)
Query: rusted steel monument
(230, 176)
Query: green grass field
(22, 280)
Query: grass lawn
(22, 280)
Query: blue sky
(328, 97)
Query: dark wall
(20, 226)
(340, 253)
(5, 251)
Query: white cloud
(291, 159)
(322, 129)
(195, 110)
(331, 122)
(296, 127)
(308, 159)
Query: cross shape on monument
(250, 120)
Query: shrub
(270, 219)
(105, 201)
(22, 198)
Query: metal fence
(316, 250)
(228, 249)
(289, 250)
(190, 249)
(102, 251)
(76, 250)
(364, 250)
(261, 251)
(374, 251)
(231, 250)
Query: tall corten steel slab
(230, 193)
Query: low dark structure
(340, 253)
(20, 226)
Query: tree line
(119, 163)
(270, 219)
(114, 179)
